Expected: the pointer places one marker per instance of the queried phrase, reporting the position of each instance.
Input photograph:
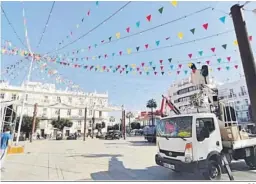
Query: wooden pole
(85, 119)
(33, 122)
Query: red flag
(142, 64)
(120, 53)
(250, 38)
(161, 61)
(128, 29)
(155, 73)
(213, 49)
(149, 18)
(138, 69)
(106, 55)
(88, 13)
(104, 67)
(180, 65)
(161, 67)
(219, 68)
(236, 66)
(190, 55)
(208, 62)
(146, 46)
(205, 26)
(118, 66)
(228, 58)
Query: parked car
(72, 137)
(112, 135)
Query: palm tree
(151, 104)
(129, 115)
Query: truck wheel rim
(214, 172)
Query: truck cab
(188, 143)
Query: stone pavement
(95, 159)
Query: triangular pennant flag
(130, 69)
(213, 49)
(105, 55)
(162, 73)
(180, 35)
(128, 29)
(236, 66)
(149, 18)
(185, 72)
(228, 58)
(120, 53)
(250, 38)
(167, 38)
(147, 73)
(88, 13)
(180, 65)
(110, 66)
(154, 68)
(224, 46)
(171, 66)
(97, 3)
(155, 73)
(150, 63)
(219, 68)
(113, 54)
(190, 56)
(174, 3)
(223, 19)
(95, 45)
(193, 30)
(138, 69)
(200, 53)
(178, 72)
(118, 35)
(161, 67)
(129, 51)
(140, 73)
(219, 60)
(208, 62)
(227, 67)
(82, 19)
(127, 72)
(146, 46)
(161, 10)
(138, 24)
(170, 60)
(102, 41)
(205, 26)
(235, 42)
(137, 48)
(99, 57)
(142, 64)
(110, 38)
(157, 43)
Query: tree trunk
(152, 116)
(129, 124)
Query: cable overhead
(49, 16)
(13, 29)
(91, 29)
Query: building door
(67, 132)
(42, 132)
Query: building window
(69, 112)
(2, 96)
(246, 102)
(79, 123)
(90, 112)
(70, 99)
(58, 99)
(90, 123)
(100, 114)
(203, 124)
(14, 96)
(26, 96)
(80, 112)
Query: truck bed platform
(239, 144)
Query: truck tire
(214, 171)
(251, 161)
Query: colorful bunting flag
(190, 56)
(205, 26)
(138, 24)
(227, 67)
(157, 43)
(137, 48)
(128, 29)
(129, 51)
(200, 53)
(170, 60)
(146, 46)
(219, 60)
(213, 49)
(178, 72)
(167, 38)
(235, 42)
(161, 61)
(193, 30)
(223, 19)
(236, 66)
(208, 62)
(149, 18)
(180, 35)
(180, 65)
(228, 58)
(224, 46)
(161, 10)
(97, 3)
(174, 3)
(185, 72)
(219, 68)
(118, 35)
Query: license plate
(169, 166)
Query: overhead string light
(91, 30)
(46, 25)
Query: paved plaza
(131, 159)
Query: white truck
(193, 143)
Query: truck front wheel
(251, 161)
(214, 171)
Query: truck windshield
(175, 127)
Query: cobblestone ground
(131, 159)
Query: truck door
(207, 145)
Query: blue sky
(131, 90)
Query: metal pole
(124, 124)
(85, 119)
(34, 122)
(23, 103)
(246, 55)
(93, 121)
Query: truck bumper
(178, 165)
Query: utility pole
(33, 122)
(123, 122)
(246, 55)
(85, 119)
(93, 121)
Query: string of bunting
(8, 68)
(91, 30)
(180, 35)
(13, 72)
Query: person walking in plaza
(5, 141)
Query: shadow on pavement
(96, 155)
(117, 171)
(141, 143)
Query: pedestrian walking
(5, 141)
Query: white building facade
(53, 103)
